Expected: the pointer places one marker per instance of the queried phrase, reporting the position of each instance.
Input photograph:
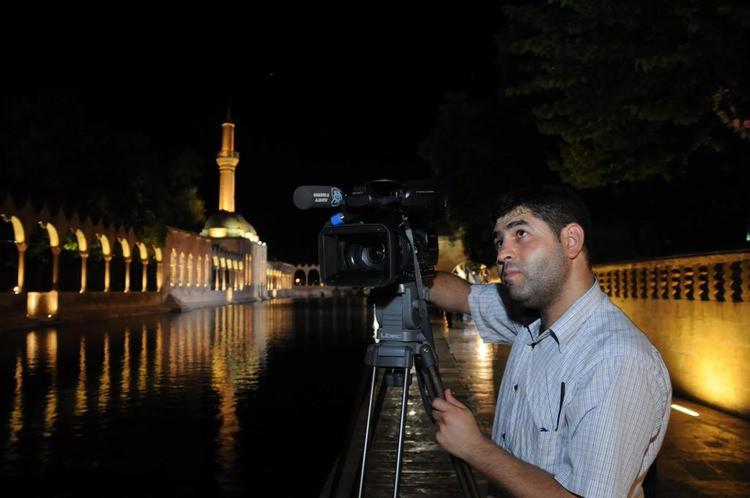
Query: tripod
(404, 339)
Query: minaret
(227, 159)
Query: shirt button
(515, 387)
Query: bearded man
(584, 402)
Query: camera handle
(402, 343)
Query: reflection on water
(221, 402)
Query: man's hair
(557, 205)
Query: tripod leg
(434, 386)
(367, 433)
(401, 430)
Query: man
(584, 401)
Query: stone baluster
(678, 283)
(629, 284)
(745, 280)
(728, 281)
(653, 276)
(711, 283)
(701, 283)
(643, 283)
(663, 283)
(617, 283)
(689, 284)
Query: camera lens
(373, 256)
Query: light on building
(16, 290)
(684, 410)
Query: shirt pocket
(549, 450)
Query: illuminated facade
(55, 264)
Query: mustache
(505, 267)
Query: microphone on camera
(317, 196)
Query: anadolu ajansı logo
(336, 197)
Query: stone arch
(42, 258)
(96, 267)
(119, 265)
(153, 270)
(138, 266)
(12, 239)
(71, 269)
(300, 277)
(313, 277)
(107, 251)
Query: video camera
(369, 243)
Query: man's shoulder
(610, 333)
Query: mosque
(89, 268)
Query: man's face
(530, 258)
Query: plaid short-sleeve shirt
(586, 400)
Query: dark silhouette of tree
(56, 150)
(479, 147)
(633, 89)
(644, 105)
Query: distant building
(53, 264)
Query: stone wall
(696, 311)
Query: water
(242, 400)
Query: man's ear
(572, 239)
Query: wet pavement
(707, 455)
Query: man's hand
(457, 429)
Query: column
(21, 266)
(107, 261)
(84, 263)
(55, 266)
(127, 275)
(159, 275)
(144, 277)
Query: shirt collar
(569, 322)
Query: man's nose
(504, 253)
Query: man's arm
(459, 434)
(450, 292)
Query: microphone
(317, 196)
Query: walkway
(708, 455)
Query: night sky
(320, 104)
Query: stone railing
(696, 311)
(715, 277)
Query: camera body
(368, 245)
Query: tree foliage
(632, 89)
(55, 151)
(481, 146)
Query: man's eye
(520, 234)
(498, 244)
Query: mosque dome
(229, 225)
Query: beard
(541, 281)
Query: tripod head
(397, 311)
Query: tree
(480, 146)
(632, 89)
(56, 152)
